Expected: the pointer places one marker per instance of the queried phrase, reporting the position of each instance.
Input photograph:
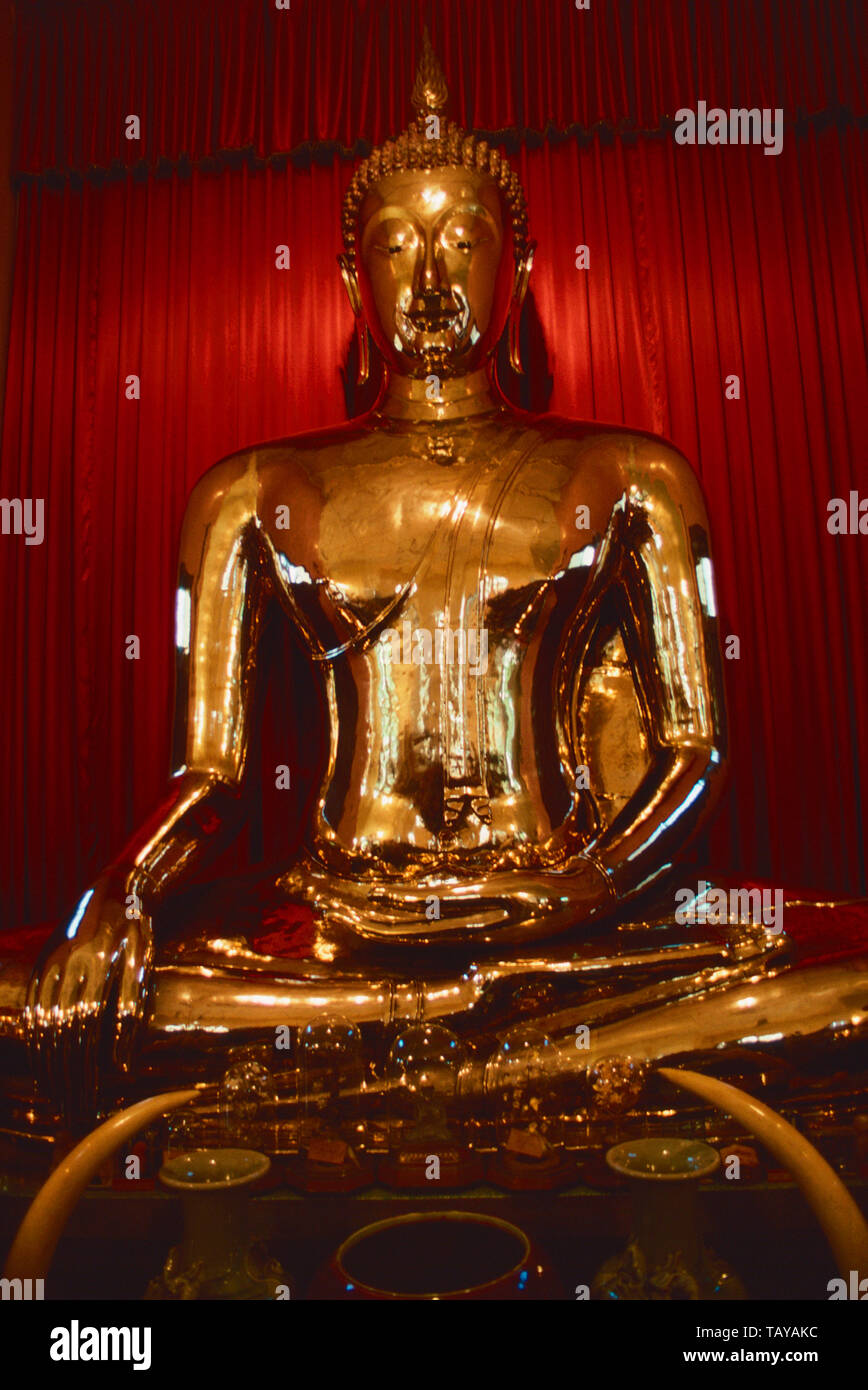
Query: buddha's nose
(429, 278)
(431, 290)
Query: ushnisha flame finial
(430, 143)
(430, 92)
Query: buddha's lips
(423, 324)
(434, 321)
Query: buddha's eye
(464, 237)
(393, 239)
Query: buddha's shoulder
(272, 463)
(620, 444)
(635, 460)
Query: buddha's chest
(476, 542)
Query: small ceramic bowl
(206, 1169)
(664, 1159)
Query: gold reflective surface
(512, 622)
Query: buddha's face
(435, 270)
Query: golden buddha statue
(511, 620)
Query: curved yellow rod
(843, 1223)
(33, 1248)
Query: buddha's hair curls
(432, 142)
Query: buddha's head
(437, 257)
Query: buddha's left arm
(664, 578)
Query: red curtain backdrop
(704, 262)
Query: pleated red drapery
(704, 263)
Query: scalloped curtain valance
(209, 77)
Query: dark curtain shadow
(531, 391)
(289, 729)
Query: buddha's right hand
(87, 994)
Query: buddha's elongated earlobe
(519, 290)
(351, 285)
(364, 355)
(514, 345)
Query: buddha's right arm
(222, 577)
(91, 976)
